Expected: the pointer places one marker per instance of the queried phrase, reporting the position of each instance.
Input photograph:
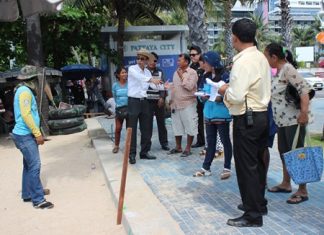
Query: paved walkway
(203, 205)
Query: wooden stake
(124, 175)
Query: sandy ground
(71, 170)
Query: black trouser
(160, 120)
(201, 127)
(249, 144)
(139, 110)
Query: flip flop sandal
(115, 149)
(185, 154)
(202, 173)
(277, 189)
(299, 198)
(225, 174)
(174, 151)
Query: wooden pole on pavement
(124, 175)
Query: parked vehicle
(316, 82)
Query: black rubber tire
(75, 111)
(70, 130)
(65, 123)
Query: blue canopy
(80, 71)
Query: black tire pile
(67, 121)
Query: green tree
(262, 35)
(303, 36)
(72, 28)
(220, 44)
(12, 43)
(224, 10)
(131, 10)
(227, 8)
(177, 16)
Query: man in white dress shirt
(139, 80)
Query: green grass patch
(316, 140)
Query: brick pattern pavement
(202, 205)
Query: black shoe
(165, 147)
(243, 222)
(197, 145)
(44, 205)
(264, 211)
(132, 160)
(148, 157)
(241, 207)
(27, 199)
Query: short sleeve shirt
(284, 113)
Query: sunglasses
(154, 61)
(141, 58)
(192, 55)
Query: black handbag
(121, 112)
(292, 96)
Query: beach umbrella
(80, 71)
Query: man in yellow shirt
(27, 136)
(247, 96)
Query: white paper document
(214, 88)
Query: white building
(303, 12)
(214, 29)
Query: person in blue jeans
(216, 115)
(27, 136)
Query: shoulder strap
(307, 138)
(296, 138)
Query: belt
(140, 99)
(255, 113)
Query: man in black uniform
(157, 102)
(195, 54)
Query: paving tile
(202, 205)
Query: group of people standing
(142, 93)
(205, 98)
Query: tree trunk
(227, 5)
(197, 26)
(34, 41)
(286, 23)
(89, 55)
(35, 57)
(121, 14)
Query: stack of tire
(67, 121)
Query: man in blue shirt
(27, 136)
